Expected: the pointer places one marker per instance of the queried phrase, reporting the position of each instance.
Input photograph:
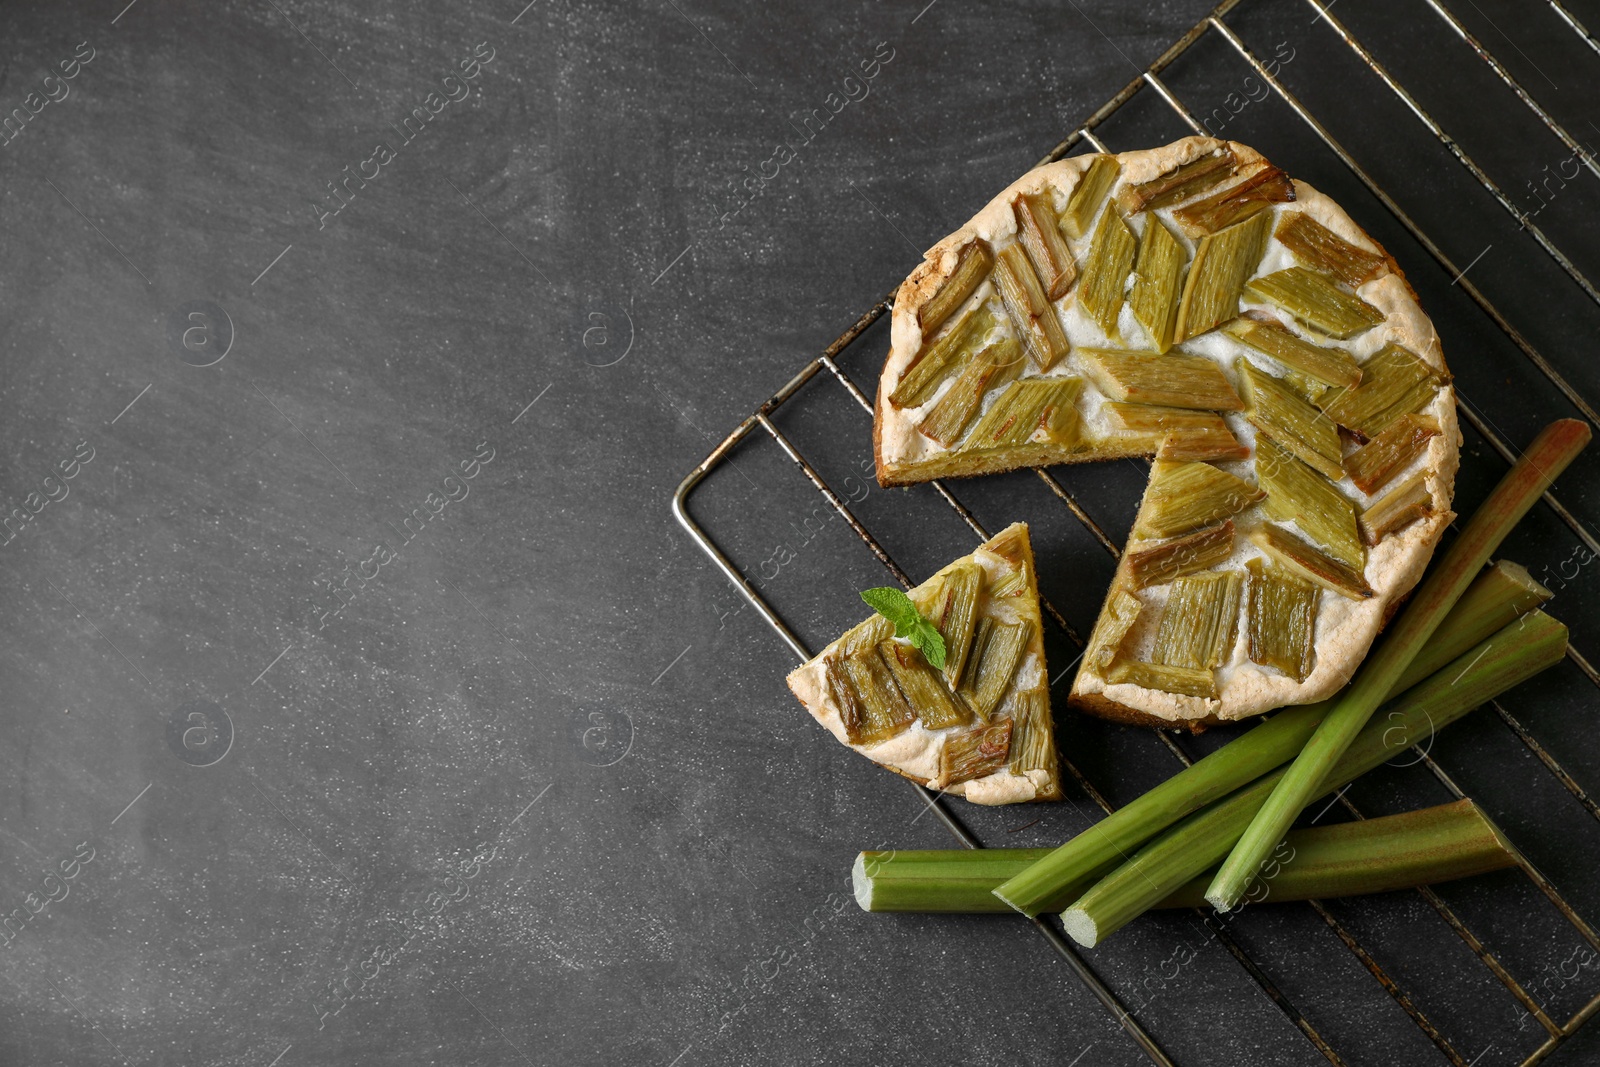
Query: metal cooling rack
(825, 369)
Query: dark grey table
(364, 702)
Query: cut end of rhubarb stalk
(1221, 900)
(1013, 904)
(860, 884)
(1080, 927)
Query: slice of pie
(980, 728)
(1195, 305)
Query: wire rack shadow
(825, 369)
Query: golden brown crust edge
(798, 695)
(1036, 645)
(912, 293)
(877, 433)
(1103, 707)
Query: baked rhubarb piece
(976, 724)
(1195, 305)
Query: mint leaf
(909, 623)
(895, 606)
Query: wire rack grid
(825, 368)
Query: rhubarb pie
(978, 728)
(1194, 305)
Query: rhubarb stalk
(1346, 859)
(1527, 480)
(1499, 596)
(1190, 848)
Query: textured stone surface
(527, 787)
